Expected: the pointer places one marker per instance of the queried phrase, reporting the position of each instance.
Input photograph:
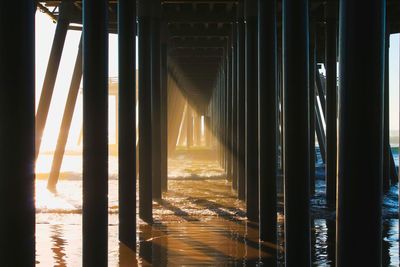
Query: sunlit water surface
(199, 222)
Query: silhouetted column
(234, 108)
(197, 128)
(164, 108)
(145, 125)
(127, 122)
(296, 132)
(228, 112)
(95, 133)
(17, 133)
(156, 97)
(189, 125)
(251, 111)
(386, 119)
(66, 122)
(267, 97)
(207, 131)
(223, 124)
(51, 72)
(241, 88)
(311, 95)
(331, 102)
(359, 194)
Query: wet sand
(199, 222)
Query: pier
(232, 84)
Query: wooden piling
(95, 133)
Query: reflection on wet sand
(198, 222)
(201, 222)
(58, 247)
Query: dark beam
(234, 109)
(312, 99)
(189, 127)
(197, 17)
(17, 133)
(145, 132)
(241, 99)
(195, 53)
(194, 32)
(164, 108)
(331, 11)
(296, 132)
(95, 133)
(66, 122)
(268, 118)
(252, 200)
(156, 97)
(175, 43)
(127, 122)
(51, 72)
(359, 193)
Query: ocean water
(200, 221)
(324, 224)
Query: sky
(45, 29)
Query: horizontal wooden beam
(176, 43)
(199, 17)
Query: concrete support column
(296, 132)
(66, 122)
(207, 131)
(156, 97)
(127, 122)
(331, 102)
(228, 111)
(189, 125)
(241, 99)
(197, 128)
(164, 108)
(234, 109)
(17, 133)
(312, 99)
(95, 133)
(251, 162)
(145, 125)
(359, 194)
(268, 118)
(386, 182)
(51, 72)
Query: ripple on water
(199, 221)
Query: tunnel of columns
(247, 132)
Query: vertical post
(197, 128)
(296, 132)
(241, 98)
(234, 107)
(51, 72)
(189, 125)
(95, 133)
(127, 122)
(145, 131)
(66, 122)
(311, 95)
(207, 132)
(267, 112)
(17, 133)
(386, 119)
(156, 97)
(361, 107)
(164, 108)
(251, 111)
(228, 108)
(331, 102)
